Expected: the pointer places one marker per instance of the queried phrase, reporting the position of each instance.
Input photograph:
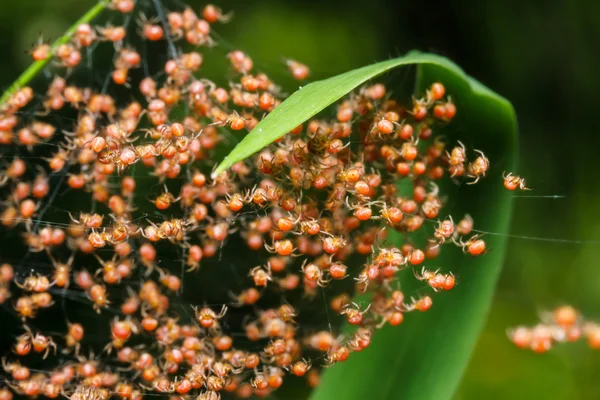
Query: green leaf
(425, 357)
(314, 97)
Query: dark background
(543, 57)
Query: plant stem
(37, 66)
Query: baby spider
(333, 244)
(436, 280)
(261, 275)
(207, 317)
(423, 304)
(310, 227)
(259, 196)
(392, 214)
(248, 297)
(287, 313)
(174, 229)
(73, 338)
(299, 368)
(39, 342)
(464, 226)
(268, 165)
(362, 211)
(236, 201)
(97, 294)
(283, 247)
(18, 371)
(89, 393)
(313, 273)
(564, 316)
(474, 246)
(151, 232)
(478, 168)
(286, 224)
(88, 220)
(108, 270)
(520, 336)
(390, 257)
(353, 313)
(322, 141)
(336, 354)
(444, 231)
(25, 307)
(164, 200)
(383, 126)
(41, 50)
(299, 71)
(36, 284)
(235, 121)
(114, 34)
(62, 270)
(458, 155)
(425, 275)
(361, 339)
(194, 255)
(214, 14)
(149, 29)
(512, 182)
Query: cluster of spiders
(563, 324)
(309, 214)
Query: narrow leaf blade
(310, 100)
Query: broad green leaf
(425, 357)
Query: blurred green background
(544, 58)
